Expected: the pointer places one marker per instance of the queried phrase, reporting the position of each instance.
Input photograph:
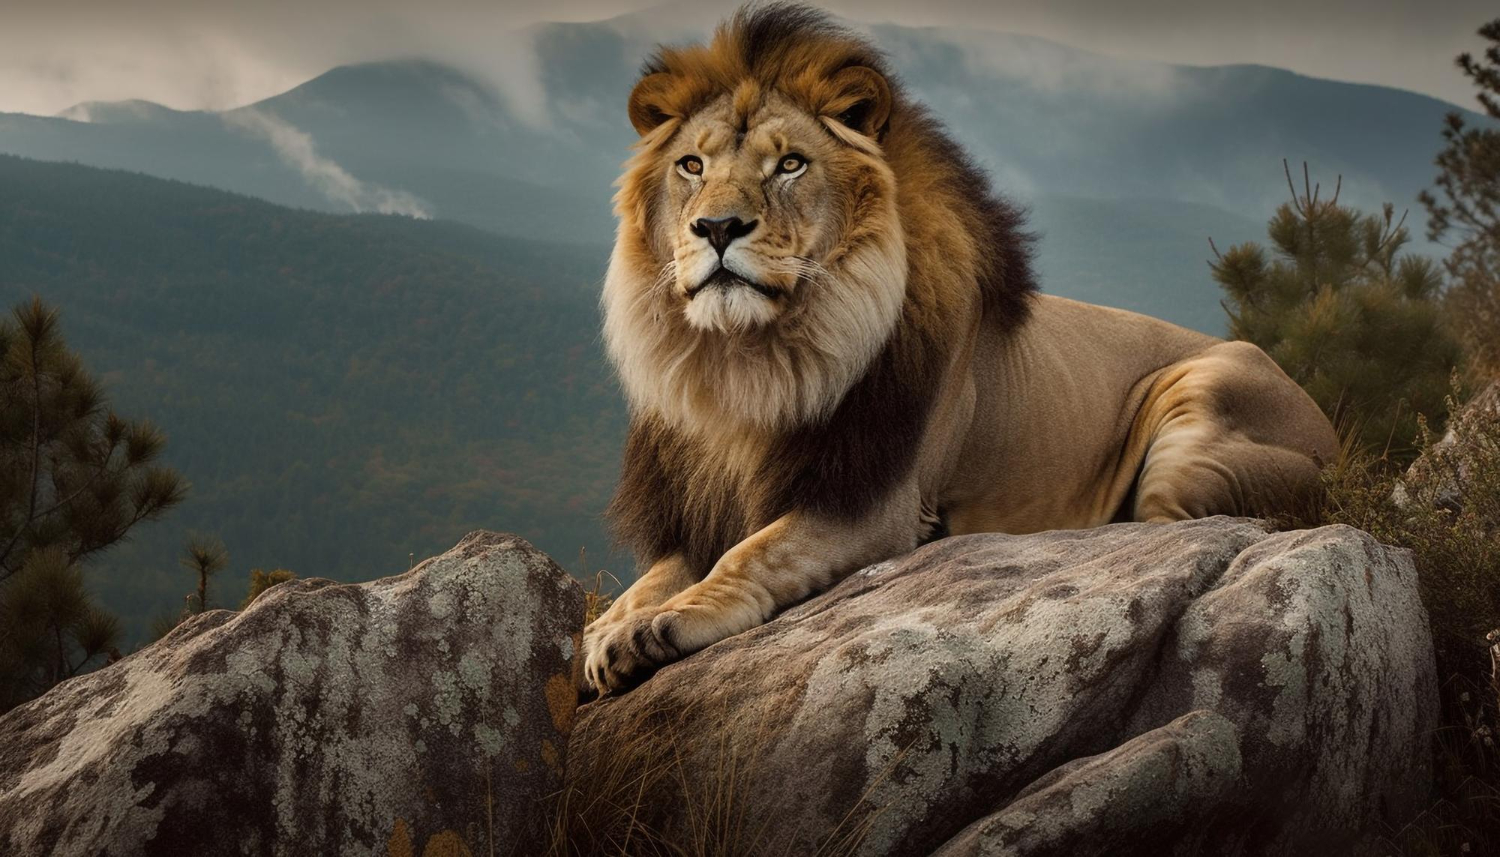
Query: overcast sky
(218, 53)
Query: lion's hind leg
(1229, 434)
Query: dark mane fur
(675, 495)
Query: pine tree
(1468, 211)
(204, 556)
(75, 478)
(1348, 317)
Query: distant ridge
(1056, 127)
(341, 391)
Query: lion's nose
(722, 231)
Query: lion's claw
(622, 653)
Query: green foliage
(75, 478)
(204, 556)
(1348, 317)
(1465, 208)
(74, 475)
(50, 629)
(342, 391)
(261, 580)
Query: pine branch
(36, 465)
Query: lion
(828, 332)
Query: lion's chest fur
(700, 492)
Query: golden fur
(827, 330)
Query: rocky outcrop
(429, 710)
(1207, 687)
(1460, 467)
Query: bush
(1345, 313)
(261, 580)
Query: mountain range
(1129, 167)
(344, 393)
(365, 309)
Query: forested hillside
(342, 391)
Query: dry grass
(616, 808)
(596, 598)
(1446, 510)
(613, 811)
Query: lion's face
(761, 261)
(751, 212)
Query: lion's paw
(621, 653)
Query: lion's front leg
(662, 580)
(792, 558)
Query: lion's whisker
(801, 267)
(666, 276)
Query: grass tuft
(642, 796)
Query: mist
(219, 54)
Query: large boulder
(1207, 687)
(425, 711)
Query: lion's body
(1087, 415)
(865, 360)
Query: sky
(215, 54)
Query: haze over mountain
(1134, 151)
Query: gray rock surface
(1206, 687)
(1148, 795)
(1444, 476)
(428, 710)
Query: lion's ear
(651, 102)
(860, 100)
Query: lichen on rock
(1209, 687)
(323, 719)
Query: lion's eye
(793, 163)
(691, 165)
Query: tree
(1466, 209)
(50, 629)
(1348, 317)
(204, 556)
(75, 478)
(261, 580)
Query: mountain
(1108, 153)
(342, 391)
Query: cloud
(296, 148)
(1054, 69)
(1396, 43)
(218, 54)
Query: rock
(1206, 687)
(1443, 476)
(430, 709)
(1487, 401)
(1147, 793)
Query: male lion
(826, 326)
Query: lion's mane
(824, 409)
